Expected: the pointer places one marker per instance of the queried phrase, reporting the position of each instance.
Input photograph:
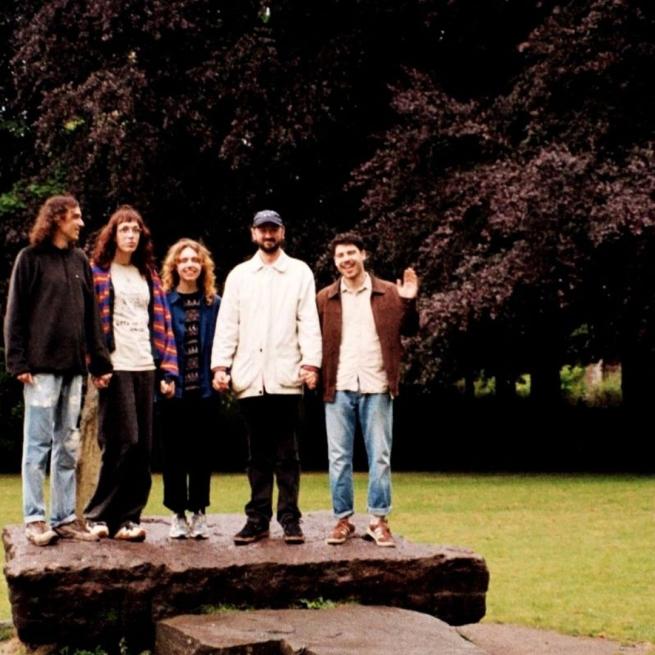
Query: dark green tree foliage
(515, 166)
(201, 112)
(529, 212)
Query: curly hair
(45, 225)
(105, 245)
(207, 280)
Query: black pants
(188, 425)
(272, 420)
(125, 417)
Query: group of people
(140, 335)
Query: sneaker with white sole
(379, 532)
(341, 532)
(130, 531)
(40, 533)
(198, 528)
(75, 530)
(179, 527)
(98, 528)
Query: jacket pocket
(287, 367)
(243, 373)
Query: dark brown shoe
(76, 530)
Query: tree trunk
(505, 386)
(637, 379)
(545, 387)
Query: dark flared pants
(187, 430)
(125, 418)
(272, 420)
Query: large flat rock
(91, 593)
(344, 630)
(504, 639)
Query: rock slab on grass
(86, 593)
(344, 630)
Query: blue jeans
(375, 414)
(52, 408)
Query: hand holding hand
(221, 380)
(309, 377)
(167, 388)
(101, 381)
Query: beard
(270, 247)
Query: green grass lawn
(572, 553)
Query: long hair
(45, 225)
(206, 282)
(105, 246)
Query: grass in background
(571, 553)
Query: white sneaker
(179, 528)
(198, 528)
(130, 531)
(98, 528)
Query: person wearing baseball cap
(266, 349)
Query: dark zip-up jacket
(52, 323)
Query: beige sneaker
(40, 533)
(75, 530)
(379, 532)
(341, 532)
(130, 531)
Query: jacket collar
(376, 287)
(281, 264)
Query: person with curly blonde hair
(190, 285)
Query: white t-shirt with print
(131, 320)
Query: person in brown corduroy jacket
(362, 319)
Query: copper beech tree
(504, 148)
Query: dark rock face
(92, 593)
(344, 630)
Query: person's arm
(16, 320)
(408, 291)
(164, 339)
(309, 332)
(226, 335)
(100, 365)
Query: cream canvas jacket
(267, 326)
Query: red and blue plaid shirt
(161, 325)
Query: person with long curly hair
(52, 279)
(190, 285)
(136, 323)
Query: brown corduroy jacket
(394, 316)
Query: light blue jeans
(374, 412)
(52, 408)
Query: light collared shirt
(360, 355)
(267, 326)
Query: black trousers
(188, 425)
(272, 420)
(125, 418)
